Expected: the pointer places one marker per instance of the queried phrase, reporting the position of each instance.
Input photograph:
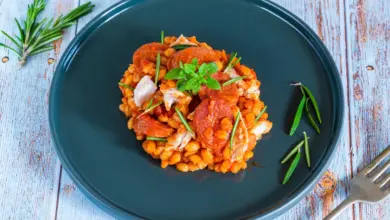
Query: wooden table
(33, 184)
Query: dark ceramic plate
(108, 164)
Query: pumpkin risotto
(194, 107)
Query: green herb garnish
(307, 152)
(162, 36)
(311, 119)
(125, 85)
(292, 167)
(298, 115)
(312, 99)
(260, 114)
(233, 80)
(232, 61)
(35, 36)
(182, 46)
(183, 120)
(157, 69)
(150, 103)
(150, 109)
(234, 129)
(191, 76)
(156, 139)
(293, 151)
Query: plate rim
(270, 212)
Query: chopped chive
(156, 139)
(298, 115)
(234, 130)
(182, 46)
(183, 120)
(293, 151)
(311, 119)
(150, 103)
(162, 36)
(125, 85)
(307, 152)
(292, 167)
(157, 69)
(233, 80)
(260, 114)
(150, 109)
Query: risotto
(192, 106)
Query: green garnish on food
(292, 167)
(298, 115)
(234, 130)
(232, 61)
(35, 36)
(150, 109)
(157, 69)
(162, 36)
(182, 46)
(183, 120)
(150, 103)
(312, 99)
(293, 151)
(190, 76)
(233, 80)
(125, 85)
(156, 139)
(311, 119)
(307, 152)
(260, 114)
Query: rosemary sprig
(298, 115)
(311, 119)
(183, 120)
(35, 36)
(162, 36)
(233, 80)
(232, 61)
(157, 69)
(234, 129)
(293, 151)
(260, 114)
(156, 139)
(125, 85)
(150, 103)
(307, 152)
(150, 109)
(292, 167)
(312, 99)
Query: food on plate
(192, 106)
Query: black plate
(108, 164)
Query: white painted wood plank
(368, 31)
(326, 18)
(72, 204)
(29, 167)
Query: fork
(366, 185)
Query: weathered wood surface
(34, 186)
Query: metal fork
(366, 185)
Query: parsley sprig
(190, 76)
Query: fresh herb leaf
(293, 151)
(182, 46)
(156, 139)
(181, 65)
(181, 85)
(211, 68)
(34, 36)
(292, 167)
(175, 73)
(150, 103)
(189, 68)
(150, 109)
(195, 62)
(233, 80)
(212, 83)
(260, 114)
(191, 84)
(232, 61)
(157, 69)
(307, 152)
(196, 89)
(298, 115)
(311, 119)
(125, 85)
(234, 129)
(312, 100)
(183, 120)
(162, 36)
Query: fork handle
(332, 215)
